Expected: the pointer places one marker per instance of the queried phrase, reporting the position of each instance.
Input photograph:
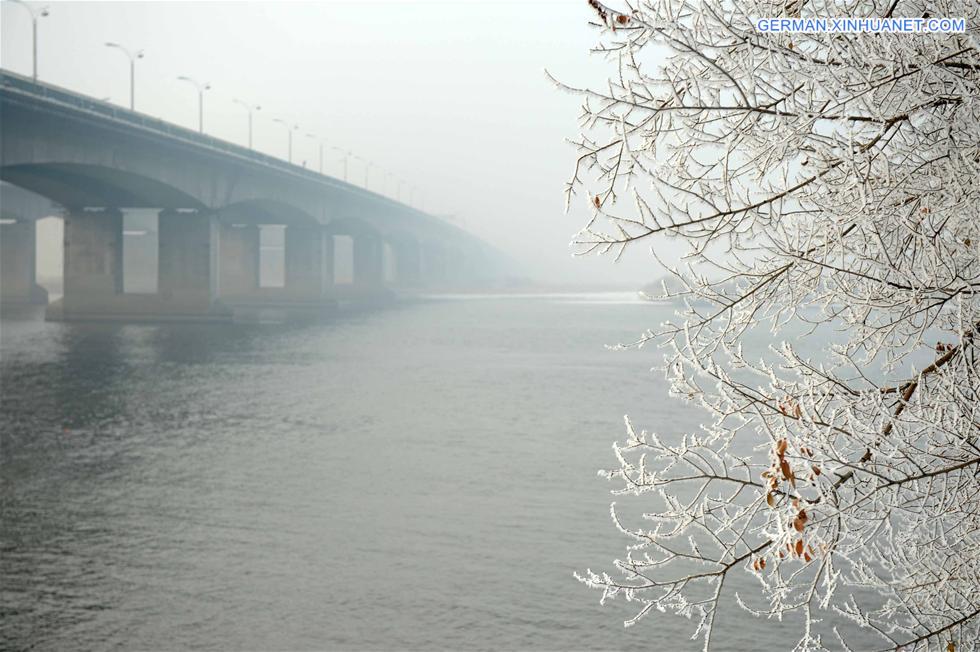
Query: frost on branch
(827, 185)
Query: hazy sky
(450, 96)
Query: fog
(221, 432)
(450, 96)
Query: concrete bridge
(91, 161)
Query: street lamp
(400, 182)
(200, 98)
(367, 171)
(34, 16)
(320, 145)
(132, 56)
(250, 109)
(389, 175)
(347, 156)
(289, 131)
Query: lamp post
(400, 183)
(200, 98)
(347, 155)
(389, 175)
(34, 16)
(250, 108)
(132, 56)
(320, 147)
(367, 172)
(289, 133)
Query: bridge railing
(53, 94)
(50, 94)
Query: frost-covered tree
(826, 186)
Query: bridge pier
(457, 267)
(93, 264)
(368, 262)
(238, 267)
(304, 263)
(188, 262)
(408, 264)
(327, 262)
(18, 264)
(433, 266)
(93, 270)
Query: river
(420, 477)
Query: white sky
(449, 95)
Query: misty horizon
(455, 102)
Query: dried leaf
(787, 471)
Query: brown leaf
(800, 521)
(799, 547)
(781, 445)
(622, 20)
(816, 470)
(596, 201)
(770, 500)
(787, 472)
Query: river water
(420, 477)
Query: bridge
(90, 161)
